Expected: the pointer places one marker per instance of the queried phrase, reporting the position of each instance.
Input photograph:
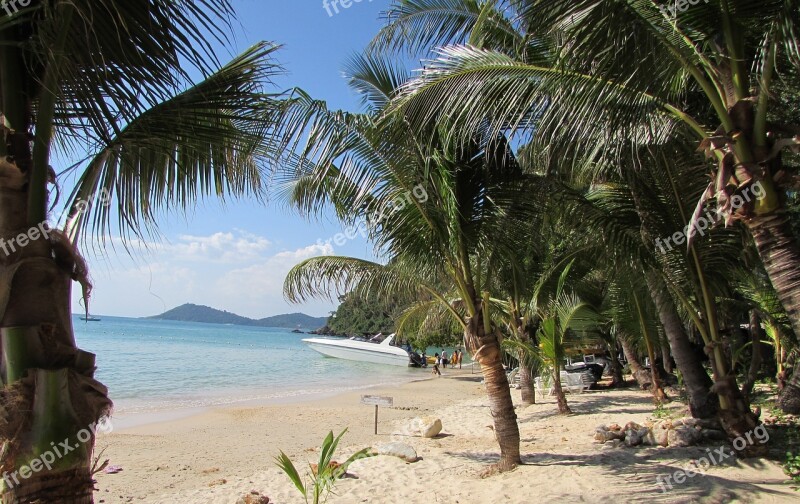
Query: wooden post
(376, 419)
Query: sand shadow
(644, 471)
(475, 379)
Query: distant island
(198, 313)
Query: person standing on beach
(436, 366)
(459, 356)
(444, 359)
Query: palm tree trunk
(641, 376)
(42, 369)
(666, 357)
(702, 402)
(563, 407)
(656, 388)
(485, 348)
(526, 373)
(756, 336)
(789, 400)
(780, 254)
(617, 377)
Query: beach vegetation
(318, 483)
(792, 467)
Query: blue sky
(234, 257)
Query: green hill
(198, 313)
(293, 320)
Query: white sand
(186, 460)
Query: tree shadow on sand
(588, 406)
(640, 472)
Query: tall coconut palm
(440, 249)
(714, 74)
(108, 75)
(418, 26)
(697, 281)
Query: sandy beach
(218, 455)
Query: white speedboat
(362, 350)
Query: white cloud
(234, 271)
(223, 247)
(260, 285)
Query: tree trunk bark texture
(780, 254)
(702, 402)
(526, 373)
(45, 376)
(485, 348)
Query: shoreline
(219, 455)
(137, 416)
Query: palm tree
(714, 75)
(562, 314)
(438, 250)
(418, 26)
(108, 74)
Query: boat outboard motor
(416, 359)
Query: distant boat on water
(90, 318)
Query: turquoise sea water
(151, 365)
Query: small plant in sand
(320, 479)
(792, 467)
(661, 412)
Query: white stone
(427, 427)
(395, 449)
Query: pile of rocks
(676, 433)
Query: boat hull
(378, 355)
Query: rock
(648, 438)
(660, 434)
(617, 432)
(427, 427)
(683, 436)
(632, 438)
(603, 434)
(632, 426)
(663, 424)
(614, 443)
(253, 498)
(400, 450)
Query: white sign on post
(377, 401)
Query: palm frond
(204, 141)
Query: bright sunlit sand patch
(185, 460)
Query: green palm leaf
(204, 141)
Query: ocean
(158, 365)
